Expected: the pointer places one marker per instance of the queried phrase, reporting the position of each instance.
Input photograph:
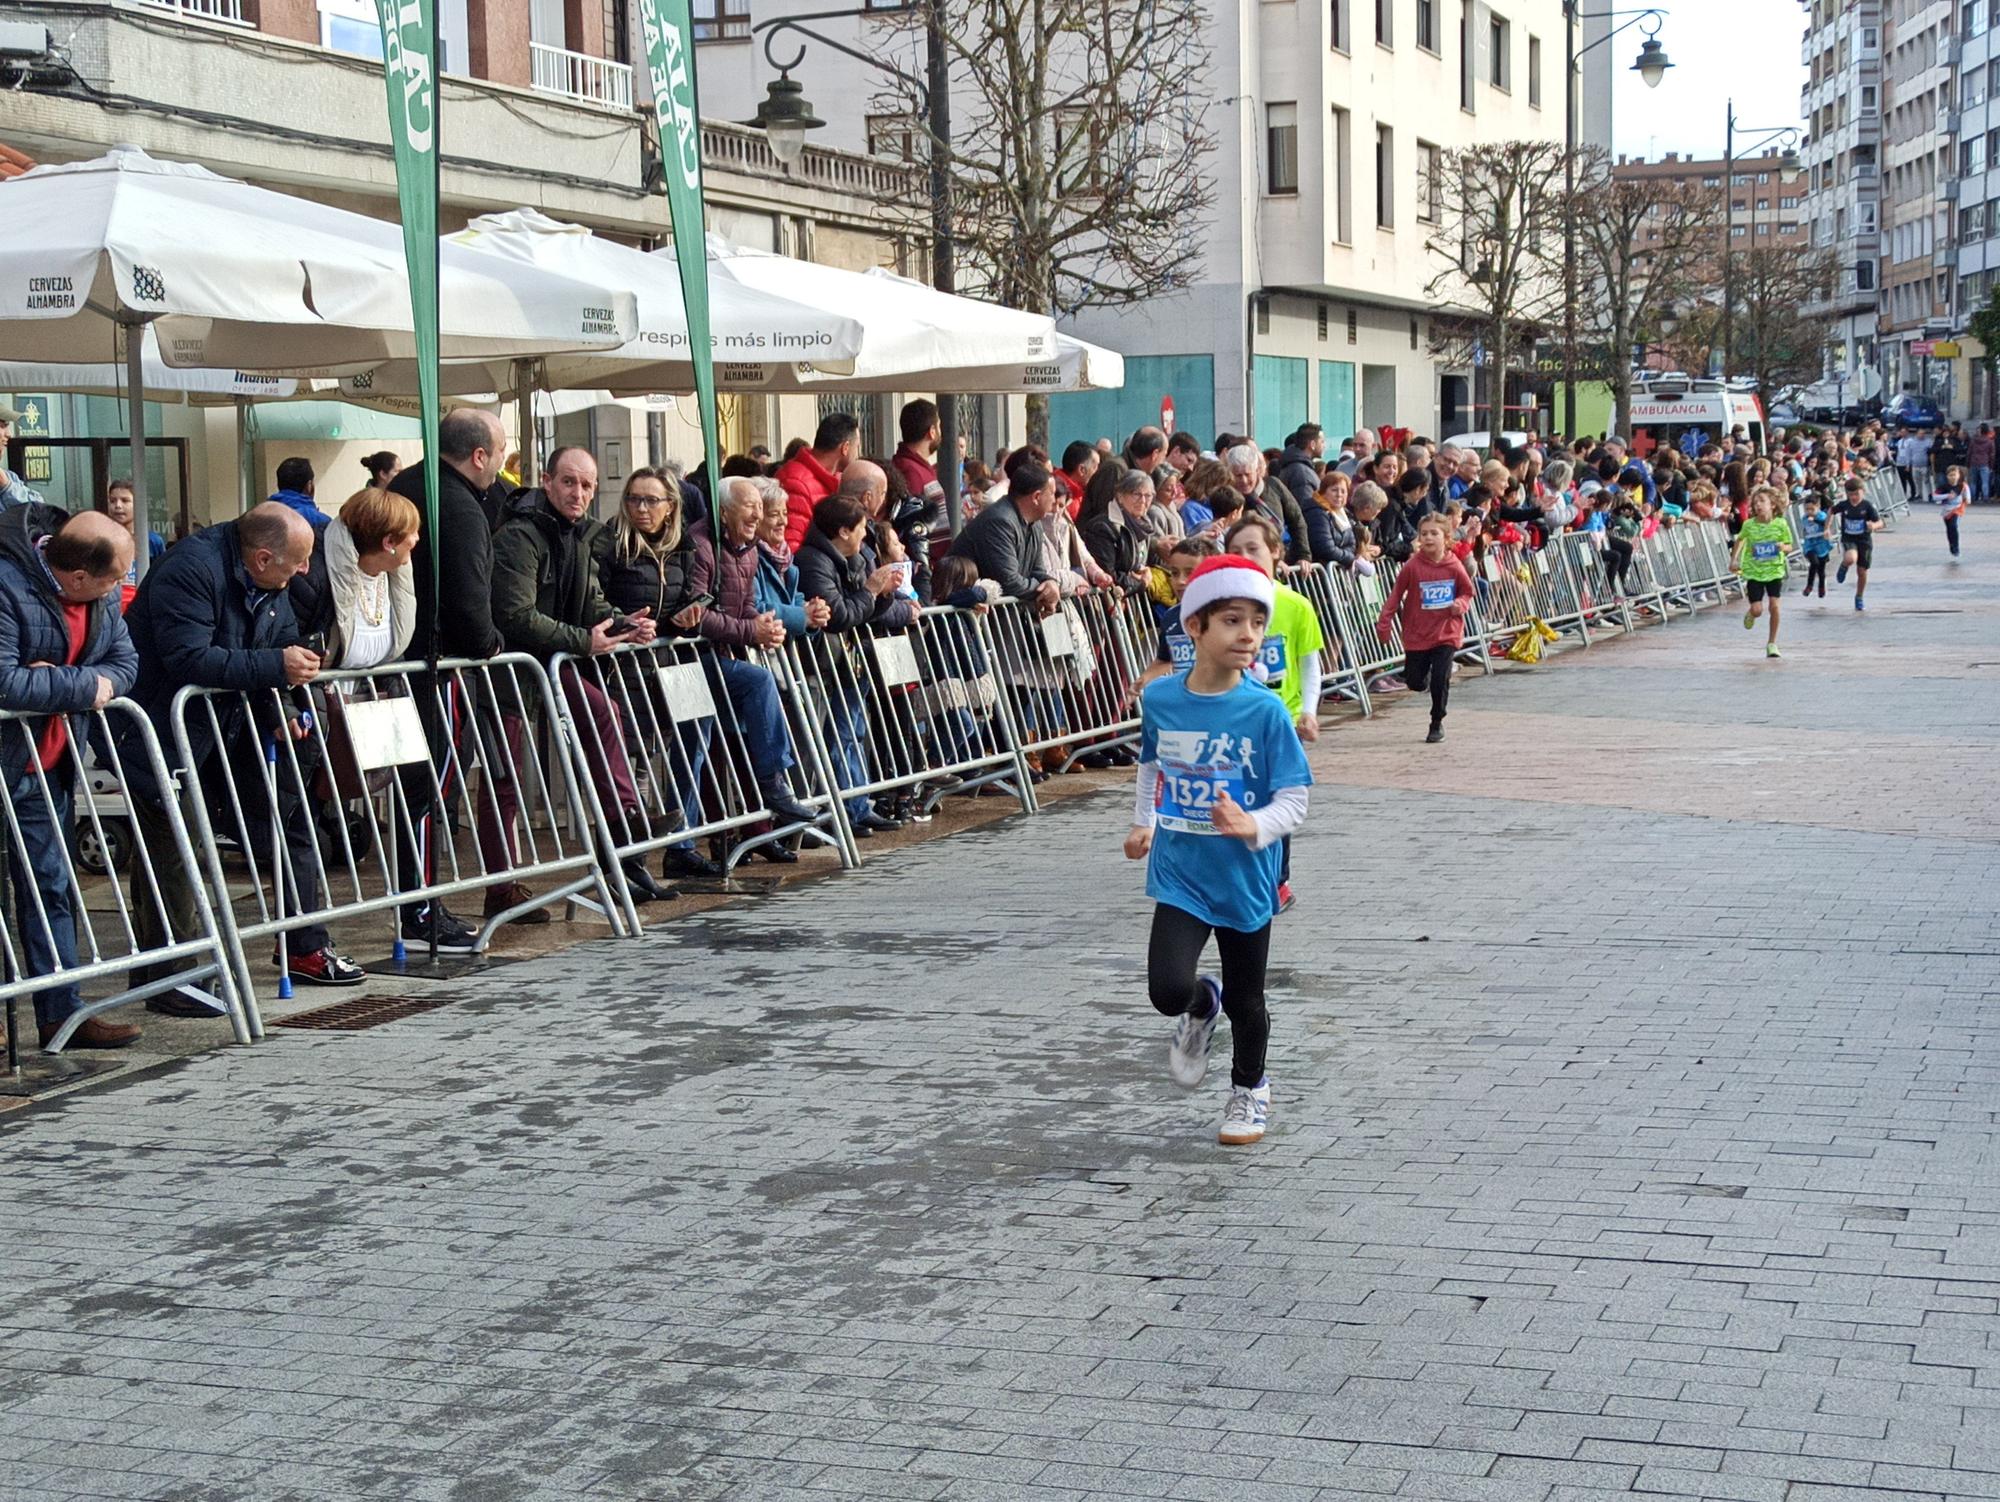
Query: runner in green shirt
(1288, 662)
(1762, 546)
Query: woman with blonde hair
(368, 603)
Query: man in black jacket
(472, 445)
(63, 651)
(1001, 541)
(834, 567)
(214, 613)
(1297, 465)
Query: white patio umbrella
(162, 382)
(917, 338)
(238, 277)
(1077, 365)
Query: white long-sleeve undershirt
(1281, 816)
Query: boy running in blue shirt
(1222, 780)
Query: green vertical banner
(670, 62)
(409, 54)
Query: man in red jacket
(811, 475)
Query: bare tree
(1692, 333)
(1075, 164)
(1780, 346)
(1642, 248)
(1498, 238)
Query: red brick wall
(498, 31)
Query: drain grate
(367, 1012)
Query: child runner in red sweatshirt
(1431, 595)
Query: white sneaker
(1244, 1116)
(1187, 1054)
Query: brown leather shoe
(511, 894)
(96, 1033)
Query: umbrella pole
(524, 418)
(135, 428)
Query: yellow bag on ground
(1527, 646)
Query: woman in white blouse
(370, 591)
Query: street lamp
(1788, 166)
(786, 116)
(1651, 65)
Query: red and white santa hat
(1228, 576)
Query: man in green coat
(548, 601)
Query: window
(1788, 203)
(1385, 178)
(1864, 276)
(717, 19)
(1413, 333)
(350, 26)
(1343, 177)
(896, 137)
(1763, 179)
(1336, 21)
(1871, 38)
(1322, 323)
(1353, 327)
(1385, 23)
(1972, 19)
(1711, 182)
(1737, 231)
(1427, 25)
(1263, 305)
(1080, 154)
(1430, 183)
(1281, 136)
(1868, 96)
(1534, 72)
(1499, 75)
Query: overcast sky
(1757, 62)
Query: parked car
(1909, 410)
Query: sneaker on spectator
(1285, 897)
(323, 967)
(1244, 1115)
(454, 934)
(1187, 1053)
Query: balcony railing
(229, 12)
(574, 75)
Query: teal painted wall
(1278, 397)
(1090, 415)
(1336, 401)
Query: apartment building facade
(1919, 150)
(1841, 160)
(1330, 119)
(540, 107)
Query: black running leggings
(1815, 573)
(1173, 958)
(1431, 668)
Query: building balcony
(574, 75)
(228, 12)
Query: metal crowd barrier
(675, 724)
(327, 799)
(1343, 671)
(922, 711)
(65, 923)
(1068, 675)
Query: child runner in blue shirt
(1222, 779)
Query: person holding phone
(549, 601)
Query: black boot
(1437, 732)
(642, 885)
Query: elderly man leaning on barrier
(214, 614)
(735, 621)
(547, 600)
(63, 650)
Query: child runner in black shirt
(1858, 521)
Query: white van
(1666, 409)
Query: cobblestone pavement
(1634, 1136)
